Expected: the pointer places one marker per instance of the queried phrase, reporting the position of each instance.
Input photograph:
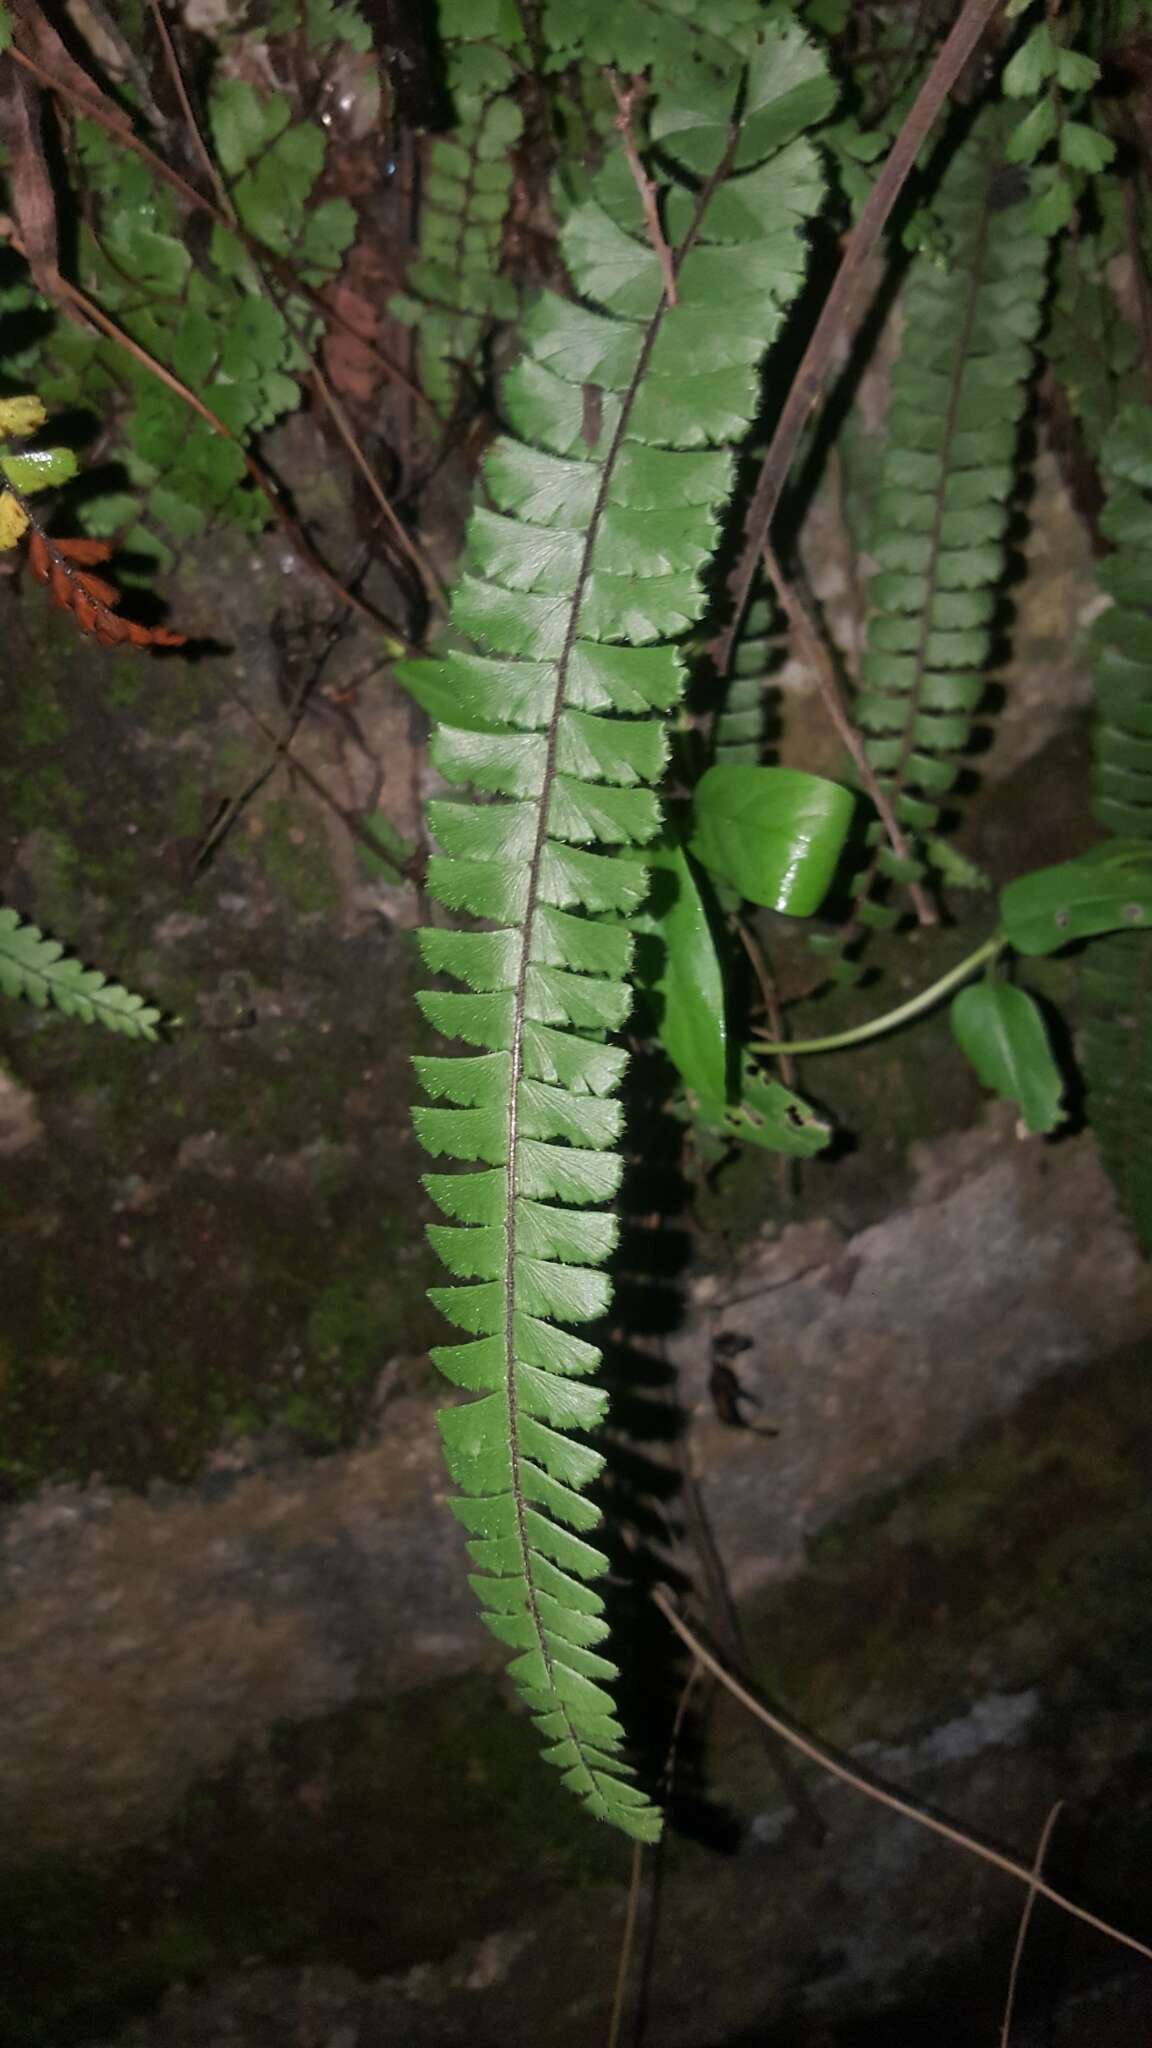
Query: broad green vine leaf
(690, 986)
(39, 970)
(583, 577)
(1001, 1031)
(775, 834)
(1107, 890)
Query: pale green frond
(584, 573)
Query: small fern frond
(38, 969)
(1116, 972)
(578, 584)
(939, 519)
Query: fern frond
(661, 34)
(577, 585)
(455, 291)
(741, 722)
(39, 970)
(939, 519)
(1116, 972)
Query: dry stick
(1025, 1917)
(433, 586)
(770, 997)
(176, 75)
(427, 574)
(627, 1943)
(408, 871)
(628, 1940)
(842, 307)
(300, 543)
(626, 98)
(880, 1793)
(812, 646)
(198, 200)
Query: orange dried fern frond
(66, 567)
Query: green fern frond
(664, 35)
(577, 585)
(39, 970)
(455, 291)
(939, 519)
(740, 725)
(1116, 972)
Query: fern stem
(876, 1026)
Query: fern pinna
(607, 493)
(1116, 971)
(958, 391)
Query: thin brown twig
(770, 997)
(842, 307)
(406, 871)
(880, 1793)
(631, 1918)
(433, 584)
(814, 650)
(1025, 1918)
(627, 1944)
(176, 74)
(300, 543)
(626, 98)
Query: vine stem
(817, 1754)
(842, 306)
(876, 1026)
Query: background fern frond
(578, 584)
(38, 969)
(455, 292)
(1116, 971)
(940, 516)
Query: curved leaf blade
(690, 985)
(1001, 1030)
(775, 834)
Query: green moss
(36, 794)
(125, 682)
(319, 1848)
(1025, 1555)
(42, 720)
(290, 847)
